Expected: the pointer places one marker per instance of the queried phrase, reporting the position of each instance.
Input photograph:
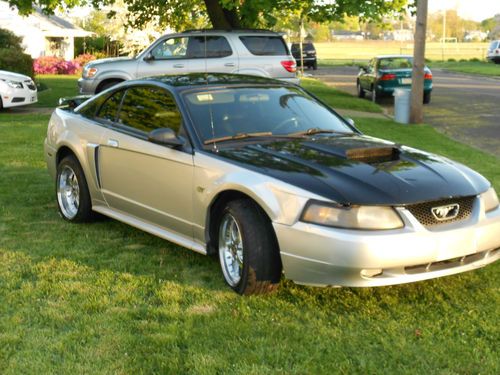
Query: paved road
(465, 107)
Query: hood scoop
(372, 155)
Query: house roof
(48, 25)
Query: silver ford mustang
(270, 179)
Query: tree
(229, 14)
(417, 86)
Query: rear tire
(359, 89)
(248, 250)
(315, 65)
(427, 97)
(72, 193)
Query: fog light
(371, 272)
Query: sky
(476, 10)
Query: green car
(385, 73)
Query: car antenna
(210, 111)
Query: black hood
(358, 169)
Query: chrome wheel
(230, 250)
(68, 192)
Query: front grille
(423, 211)
(17, 100)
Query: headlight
(490, 199)
(89, 72)
(356, 217)
(13, 84)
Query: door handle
(113, 143)
(229, 64)
(178, 65)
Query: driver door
(168, 56)
(149, 181)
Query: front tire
(248, 250)
(73, 197)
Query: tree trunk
(417, 86)
(221, 18)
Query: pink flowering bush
(84, 59)
(57, 65)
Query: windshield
(268, 110)
(396, 63)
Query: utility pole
(417, 86)
(301, 40)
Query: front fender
(282, 202)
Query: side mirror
(363, 68)
(350, 121)
(166, 137)
(149, 57)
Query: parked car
(385, 73)
(16, 90)
(270, 179)
(493, 53)
(256, 52)
(308, 55)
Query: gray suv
(254, 52)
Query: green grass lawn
(337, 98)
(471, 67)
(57, 86)
(105, 298)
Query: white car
(493, 54)
(16, 90)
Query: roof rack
(230, 30)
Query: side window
(208, 46)
(109, 108)
(90, 108)
(148, 108)
(172, 48)
(265, 45)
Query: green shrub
(452, 60)
(14, 60)
(475, 59)
(9, 40)
(12, 57)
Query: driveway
(465, 107)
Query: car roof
(192, 80)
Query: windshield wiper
(238, 136)
(313, 131)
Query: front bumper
(87, 86)
(316, 255)
(16, 97)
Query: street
(465, 107)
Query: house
(43, 35)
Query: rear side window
(208, 46)
(148, 108)
(109, 109)
(265, 45)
